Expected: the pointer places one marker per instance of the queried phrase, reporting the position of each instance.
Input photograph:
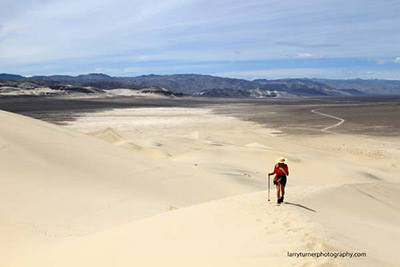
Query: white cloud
(118, 71)
(397, 60)
(307, 56)
(46, 32)
(378, 60)
(66, 29)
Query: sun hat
(281, 160)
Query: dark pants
(281, 180)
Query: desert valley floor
(164, 182)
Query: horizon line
(199, 74)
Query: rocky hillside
(212, 86)
(371, 87)
(51, 88)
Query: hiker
(281, 171)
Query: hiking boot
(279, 200)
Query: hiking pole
(268, 188)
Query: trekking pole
(268, 188)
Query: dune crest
(112, 136)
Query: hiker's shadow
(299, 205)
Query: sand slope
(70, 199)
(365, 216)
(56, 183)
(238, 231)
(247, 231)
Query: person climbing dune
(281, 171)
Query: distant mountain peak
(95, 75)
(11, 77)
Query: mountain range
(212, 86)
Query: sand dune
(56, 183)
(112, 136)
(365, 216)
(239, 231)
(245, 230)
(187, 192)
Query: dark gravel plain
(379, 116)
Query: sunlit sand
(187, 187)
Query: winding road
(330, 116)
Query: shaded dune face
(63, 182)
(55, 175)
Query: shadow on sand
(301, 206)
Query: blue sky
(243, 39)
